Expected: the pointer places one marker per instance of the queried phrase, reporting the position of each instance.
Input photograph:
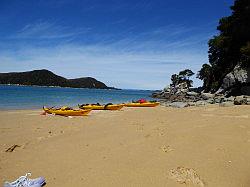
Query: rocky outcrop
(236, 82)
(181, 96)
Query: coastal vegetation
(182, 77)
(230, 48)
(226, 79)
(47, 78)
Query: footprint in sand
(24, 145)
(40, 138)
(166, 148)
(139, 127)
(161, 134)
(50, 134)
(160, 130)
(187, 176)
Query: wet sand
(195, 146)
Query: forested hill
(47, 78)
(229, 49)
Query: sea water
(33, 97)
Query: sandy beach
(195, 146)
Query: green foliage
(230, 48)
(245, 58)
(183, 76)
(174, 79)
(205, 74)
(47, 78)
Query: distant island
(47, 78)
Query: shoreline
(109, 88)
(161, 146)
(23, 85)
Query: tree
(230, 48)
(245, 58)
(175, 80)
(205, 74)
(183, 76)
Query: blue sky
(124, 43)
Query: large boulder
(192, 93)
(201, 103)
(240, 100)
(237, 82)
(219, 99)
(248, 101)
(207, 96)
(226, 104)
(229, 99)
(178, 104)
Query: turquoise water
(29, 97)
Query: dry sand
(195, 146)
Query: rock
(229, 99)
(192, 98)
(248, 101)
(191, 103)
(182, 86)
(207, 95)
(219, 91)
(201, 103)
(179, 104)
(167, 89)
(226, 104)
(210, 101)
(192, 94)
(157, 94)
(165, 95)
(219, 99)
(177, 97)
(166, 104)
(240, 100)
(236, 82)
(181, 92)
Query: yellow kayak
(66, 111)
(102, 107)
(147, 104)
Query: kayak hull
(102, 107)
(141, 104)
(62, 112)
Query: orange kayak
(66, 112)
(147, 104)
(102, 107)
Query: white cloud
(119, 69)
(144, 61)
(47, 30)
